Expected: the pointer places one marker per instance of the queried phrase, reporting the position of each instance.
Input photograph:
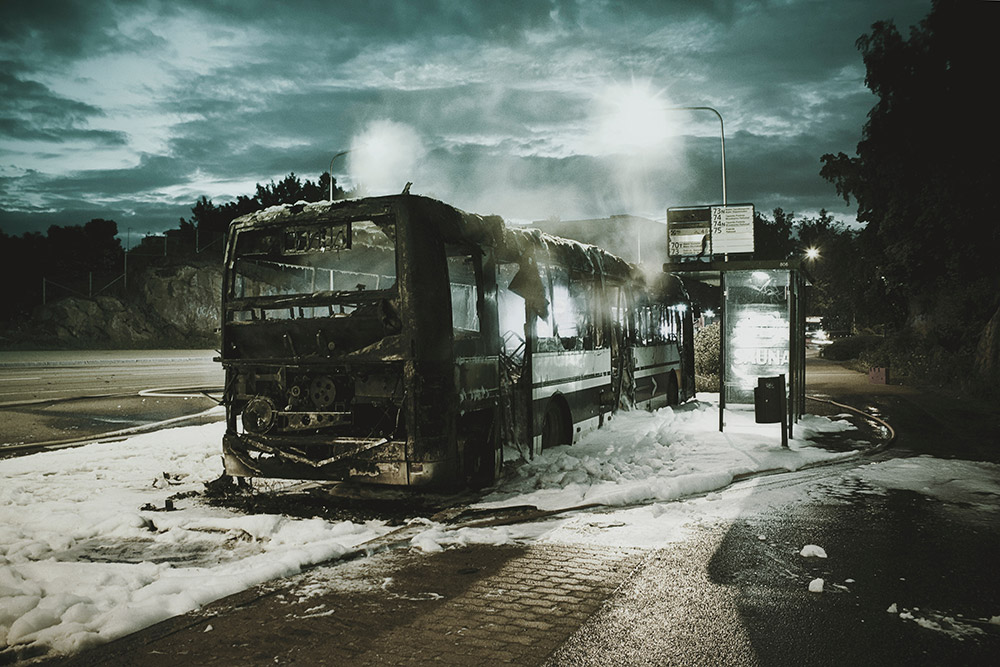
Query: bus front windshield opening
(338, 279)
(311, 274)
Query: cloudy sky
(530, 109)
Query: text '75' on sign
(701, 231)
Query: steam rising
(618, 154)
(384, 157)
(632, 125)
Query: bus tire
(673, 392)
(556, 428)
(482, 456)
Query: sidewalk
(924, 417)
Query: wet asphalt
(66, 396)
(738, 594)
(728, 597)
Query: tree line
(846, 304)
(213, 220)
(89, 258)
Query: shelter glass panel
(758, 342)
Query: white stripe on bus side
(655, 370)
(569, 386)
(569, 372)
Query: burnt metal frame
(425, 227)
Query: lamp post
(722, 135)
(722, 275)
(340, 154)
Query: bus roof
(513, 244)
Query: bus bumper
(380, 462)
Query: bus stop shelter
(762, 326)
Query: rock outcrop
(188, 298)
(171, 306)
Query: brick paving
(519, 615)
(469, 606)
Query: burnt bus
(398, 340)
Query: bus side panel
(580, 378)
(654, 365)
(478, 382)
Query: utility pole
(128, 242)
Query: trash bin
(769, 400)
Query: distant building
(630, 237)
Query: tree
(211, 220)
(925, 169)
(772, 239)
(102, 248)
(68, 255)
(841, 290)
(76, 250)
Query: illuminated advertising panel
(757, 330)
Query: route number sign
(705, 231)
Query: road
(939, 423)
(39, 376)
(65, 395)
(736, 593)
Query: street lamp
(340, 154)
(812, 253)
(722, 135)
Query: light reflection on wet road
(60, 395)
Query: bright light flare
(384, 157)
(812, 253)
(630, 118)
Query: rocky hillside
(176, 306)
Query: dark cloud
(30, 111)
(61, 30)
(135, 109)
(153, 172)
